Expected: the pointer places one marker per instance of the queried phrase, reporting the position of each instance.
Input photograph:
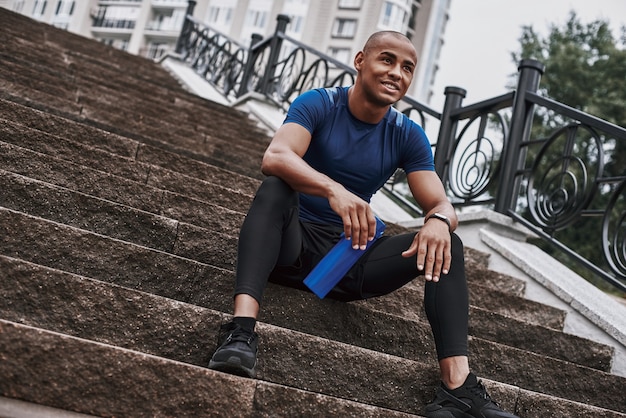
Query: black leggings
(275, 245)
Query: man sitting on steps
(336, 148)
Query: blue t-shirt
(361, 156)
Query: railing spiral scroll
(614, 231)
(562, 183)
(475, 161)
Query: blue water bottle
(331, 269)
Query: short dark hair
(375, 38)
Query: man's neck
(364, 110)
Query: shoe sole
(233, 366)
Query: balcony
(119, 26)
(169, 4)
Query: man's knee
(456, 241)
(274, 191)
(273, 181)
(457, 246)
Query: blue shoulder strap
(333, 93)
(399, 116)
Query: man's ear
(358, 60)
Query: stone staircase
(121, 199)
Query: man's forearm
(298, 174)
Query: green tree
(585, 66)
(585, 69)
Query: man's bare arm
(283, 158)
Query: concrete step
(119, 383)
(200, 242)
(223, 153)
(94, 256)
(91, 157)
(539, 339)
(205, 246)
(95, 101)
(20, 73)
(112, 381)
(47, 40)
(79, 142)
(15, 408)
(123, 192)
(34, 98)
(93, 310)
(116, 221)
(75, 73)
(216, 186)
(119, 94)
(167, 105)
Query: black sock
(245, 322)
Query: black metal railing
(496, 153)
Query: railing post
(447, 130)
(514, 156)
(191, 5)
(275, 46)
(249, 64)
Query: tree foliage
(585, 66)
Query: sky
(482, 34)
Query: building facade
(338, 28)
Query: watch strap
(441, 218)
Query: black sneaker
(236, 351)
(468, 401)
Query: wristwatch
(441, 217)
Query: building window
(63, 14)
(65, 8)
(117, 17)
(340, 54)
(167, 21)
(344, 28)
(394, 16)
(350, 4)
(295, 25)
(256, 19)
(18, 6)
(296, 3)
(157, 49)
(39, 8)
(220, 16)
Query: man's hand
(432, 244)
(359, 223)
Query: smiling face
(385, 68)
